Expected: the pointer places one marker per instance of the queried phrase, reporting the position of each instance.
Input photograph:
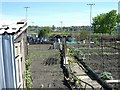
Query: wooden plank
(113, 81)
(80, 74)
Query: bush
(83, 35)
(106, 76)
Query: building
(20, 45)
(13, 52)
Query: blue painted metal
(7, 59)
(2, 74)
(8, 78)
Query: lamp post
(26, 28)
(90, 13)
(61, 24)
(90, 26)
(26, 11)
(90, 16)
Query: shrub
(106, 76)
(28, 74)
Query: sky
(52, 13)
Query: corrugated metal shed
(8, 61)
(2, 75)
(7, 54)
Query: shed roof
(13, 28)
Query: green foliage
(74, 51)
(28, 74)
(59, 33)
(95, 37)
(44, 32)
(53, 27)
(83, 35)
(106, 76)
(105, 23)
(118, 18)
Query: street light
(26, 11)
(90, 13)
(90, 18)
(90, 25)
(26, 30)
(61, 24)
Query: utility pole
(26, 11)
(90, 13)
(90, 26)
(61, 25)
(26, 30)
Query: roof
(14, 28)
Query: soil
(107, 60)
(104, 59)
(46, 70)
(47, 73)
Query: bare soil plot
(102, 58)
(45, 67)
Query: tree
(118, 18)
(53, 27)
(83, 35)
(44, 32)
(105, 23)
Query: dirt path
(45, 67)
